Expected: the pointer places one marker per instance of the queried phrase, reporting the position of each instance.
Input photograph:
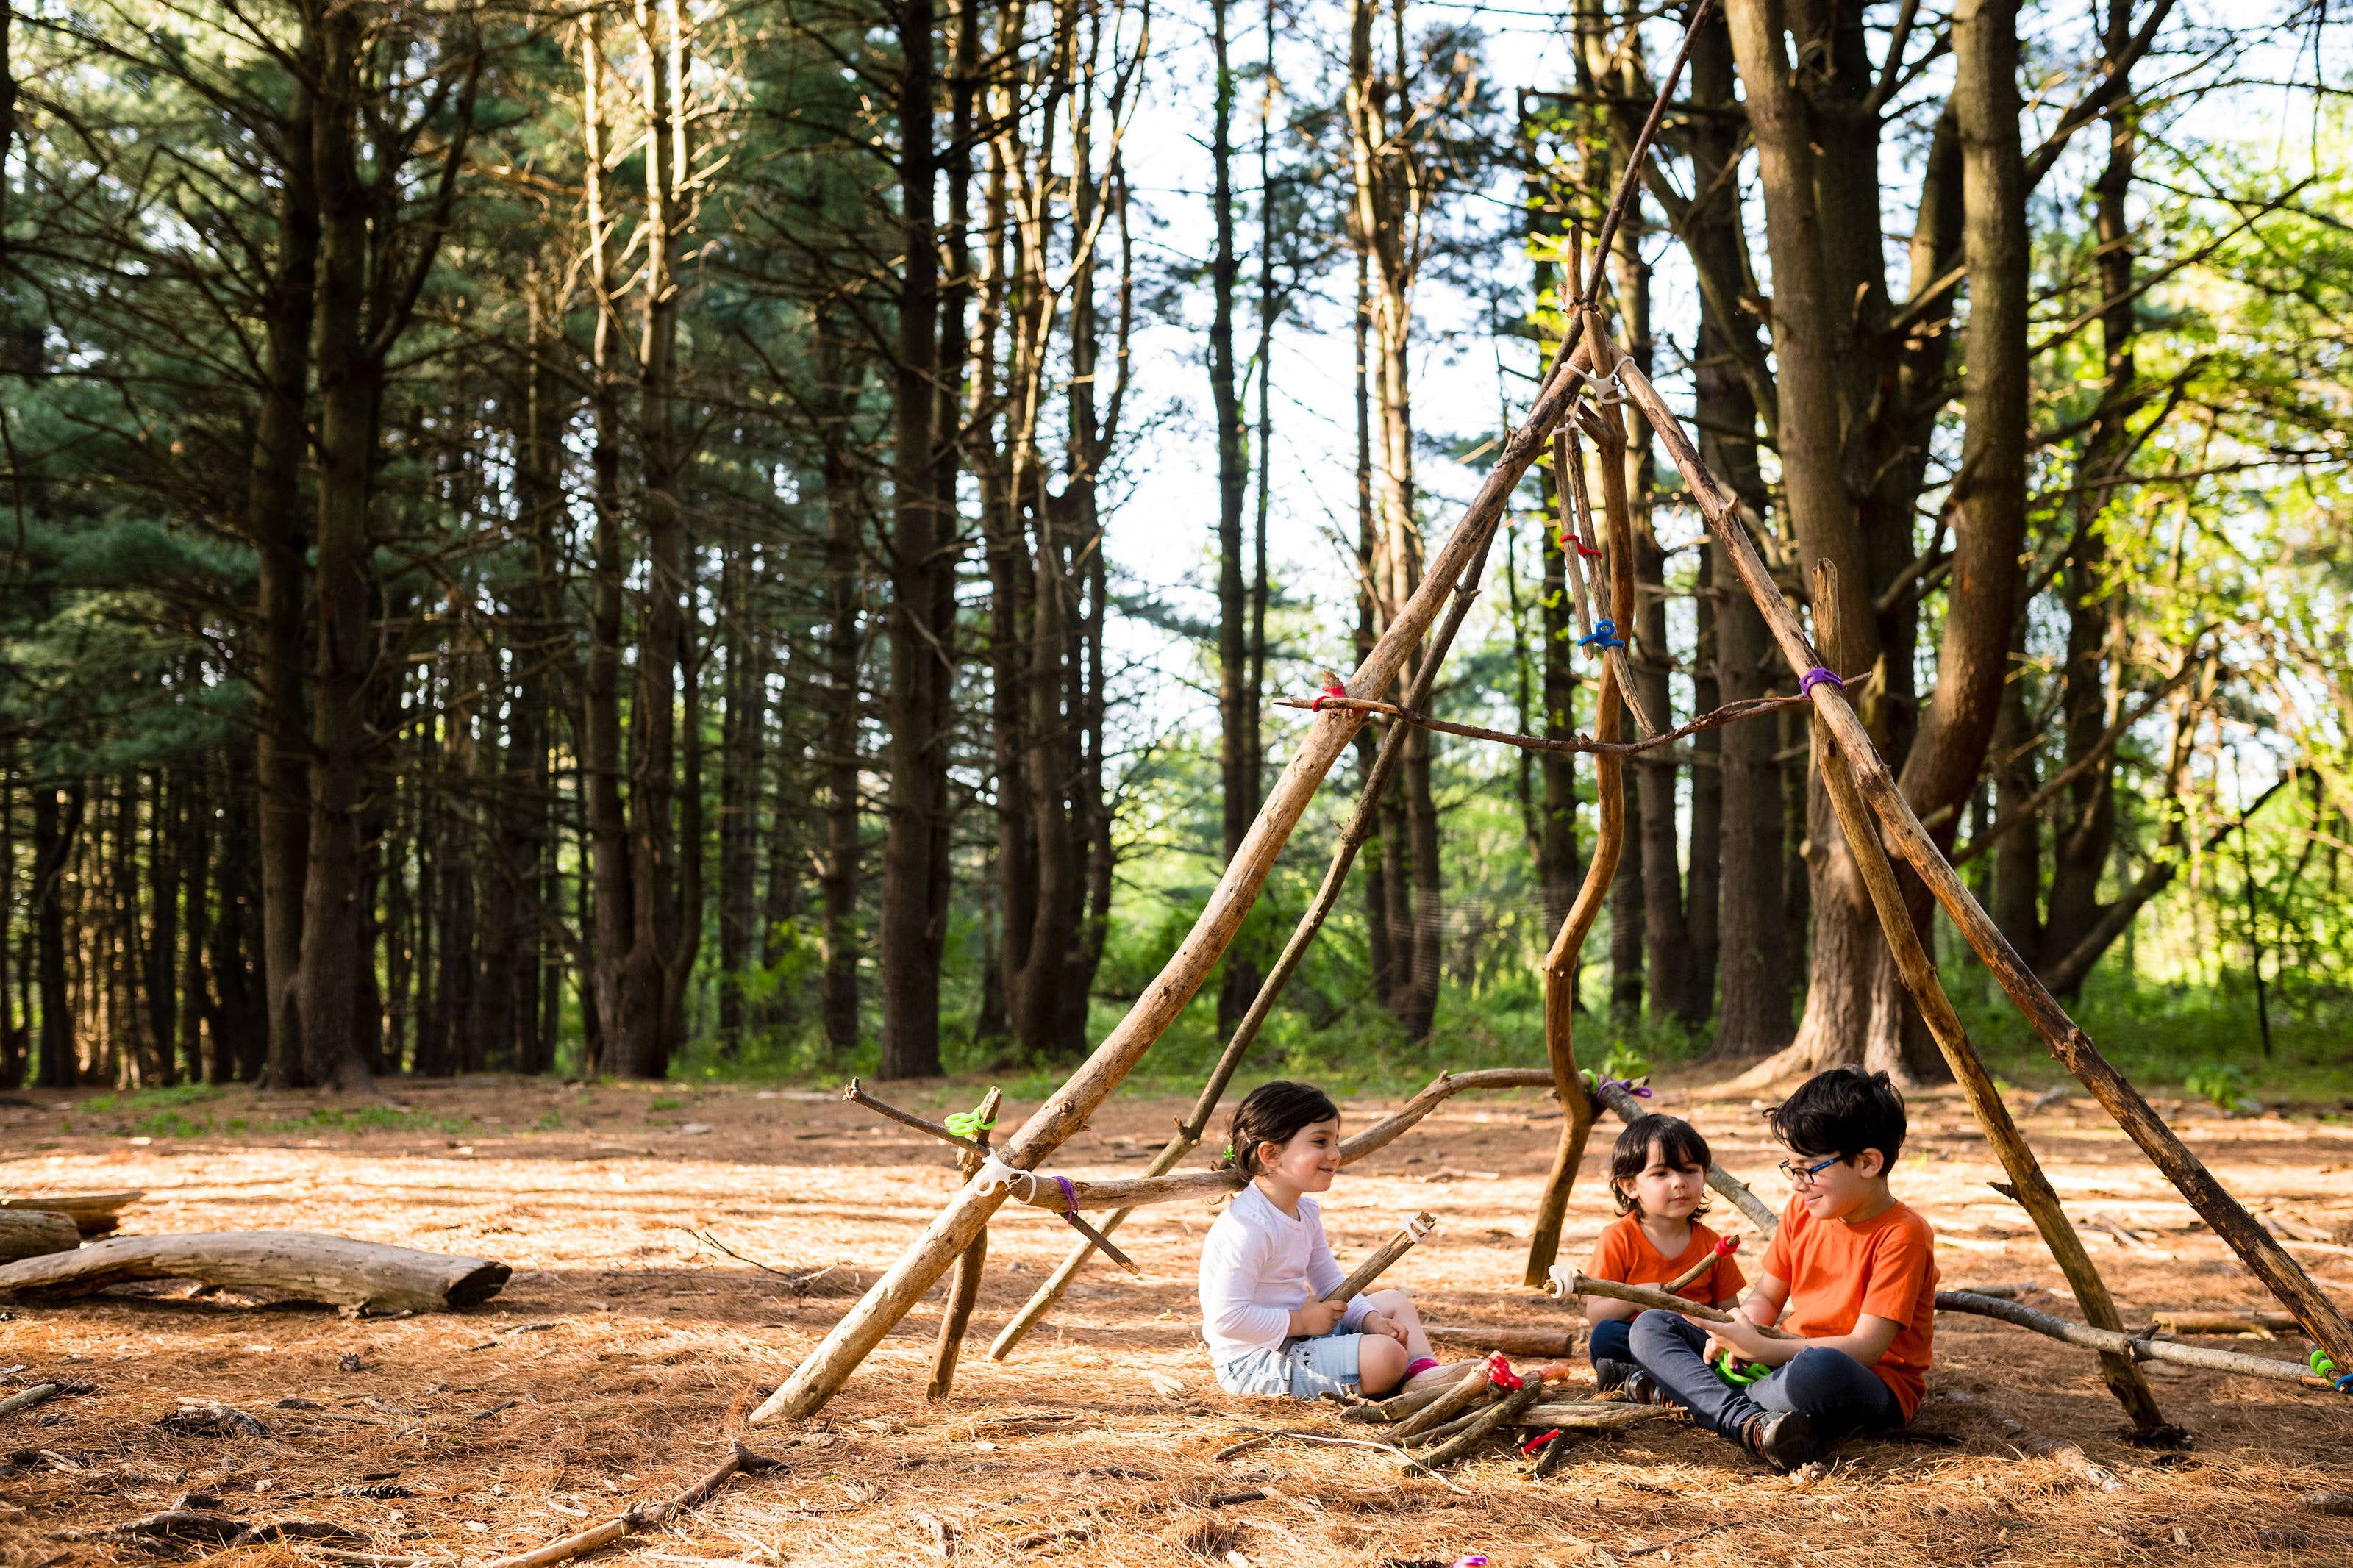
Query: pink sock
(1418, 1365)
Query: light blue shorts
(1301, 1369)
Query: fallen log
(93, 1214)
(363, 1276)
(1514, 1342)
(36, 1233)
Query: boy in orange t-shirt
(1857, 1272)
(1658, 1178)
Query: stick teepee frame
(1872, 814)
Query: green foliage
(2222, 1084)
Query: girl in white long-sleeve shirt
(1266, 1267)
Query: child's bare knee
(1393, 1304)
(1380, 1363)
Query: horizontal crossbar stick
(1567, 1281)
(2110, 1340)
(1731, 712)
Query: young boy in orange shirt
(1658, 1178)
(1856, 1272)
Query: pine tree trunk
(1237, 715)
(195, 856)
(741, 722)
(845, 581)
(275, 521)
(913, 924)
(611, 562)
(159, 982)
(1757, 960)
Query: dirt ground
(621, 1357)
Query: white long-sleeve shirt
(1258, 1265)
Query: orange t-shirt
(1625, 1253)
(1885, 1266)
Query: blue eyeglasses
(1803, 1175)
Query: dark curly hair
(1677, 1141)
(1272, 1113)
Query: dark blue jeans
(1607, 1343)
(1840, 1394)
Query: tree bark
(1755, 958)
(922, 628)
(348, 376)
(275, 522)
(1237, 715)
(840, 382)
(56, 828)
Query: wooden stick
(821, 1374)
(1445, 1405)
(2227, 1218)
(1561, 960)
(1430, 1437)
(1724, 1247)
(27, 1398)
(363, 1274)
(2225, 1322)
(855, 1093)
(1566, 1282)
(640, 1519)
(2030, 1188)
(963, 1287)
(1504, 1412)
(2114, 1342)
(1379, 1263)
(1628, 1108)
(1360, 827)
(1714, 719)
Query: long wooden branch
(1730, 714)
(2029, 1187)
(2114, 1342)
(1361, 824)
(964, 1285)
(1566, 1282)
(854, 1093)
(1561, 962)
(2223, 1212)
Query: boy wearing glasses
(1853, 1272)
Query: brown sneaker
(1782, 1438)
(1642, 1388)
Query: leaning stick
(963, 1288)
(1567, 1283)
(2029, 1187)
(2223, 1213)
(855, 1093)
(826, 1367)
(1618, 1099)
(1388, 1253)
(640, 1519)
(1560, 965)
(2111, 1341)
(1361, 824)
